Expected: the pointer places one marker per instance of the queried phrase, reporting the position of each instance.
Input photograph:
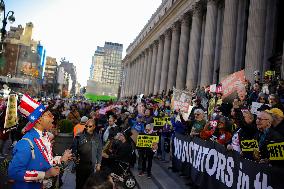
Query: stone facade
(190, 43)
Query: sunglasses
(89, 126)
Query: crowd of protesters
(113, 131)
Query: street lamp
(9, 16)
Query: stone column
(153, 66)
(255, 38)
(201, 49)
(209, 43)
(227, 61)
(140, 75)
(173, 56)
(126, 86)
(159, 64)
(166, 60)
(136, 79)
(218, 47)
(183, 52)
(194, 47)
(271, 14)
(241, 35)
(148, 73)
(143, 79)
(131, 86)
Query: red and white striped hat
(31, 109)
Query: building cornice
(172, 15)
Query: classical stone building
(190, 43)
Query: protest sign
(158, 121)
(161, 121)
(212, 88)
(269, 73)
(146, 141)
(249, 145)
(276, 151)
(11, 112)
(181, 100)
(233, 84)
(210, 165)
(254, 107)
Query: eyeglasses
(197, 114)
(260, 119)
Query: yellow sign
(269, 73)
(146, 141)
(276, 151)
(161, 121)
(249, 145)
(11, 112)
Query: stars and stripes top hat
(31, 109)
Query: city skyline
(75, 29)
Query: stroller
(123, 175)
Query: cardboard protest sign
(11, 112)
(249, 145)
(146, 141)
(181, 100)
(254, 107)
(233, 85)
(276, 151)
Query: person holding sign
(147, 153)
(265, 137)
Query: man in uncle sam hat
(33, 163)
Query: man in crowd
(79, 128)
(265, 136)
(111, 130)
(87, 147)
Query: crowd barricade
(211, 165)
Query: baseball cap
(276, 111)
(84, 119)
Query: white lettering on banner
(229, 178)
(175, 145)
(204, 152)
(198, 159)
(195, 149)
(211, 170)
(213, 162)
(221, 167)
(190, 148)
(243, 179)
(263, 184)
(185, 152)
(179, 149)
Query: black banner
(211, 166)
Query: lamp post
(9, 16)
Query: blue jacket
(22, 162)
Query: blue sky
(74, 28)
